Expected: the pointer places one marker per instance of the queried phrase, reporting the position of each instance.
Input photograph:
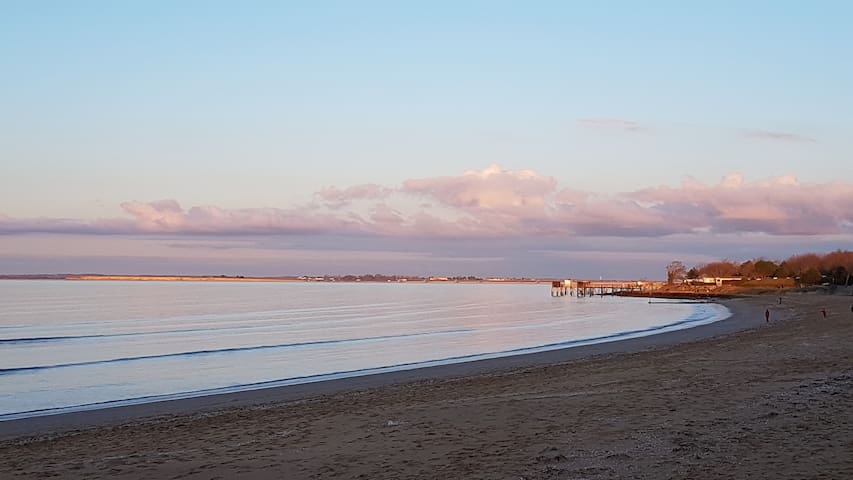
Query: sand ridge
(773, 401)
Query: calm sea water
(67, 346)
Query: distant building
(716, 281)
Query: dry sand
(768, 401)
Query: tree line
(808, 268)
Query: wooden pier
(586, 288)
(561, 288)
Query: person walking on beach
(767, 316)
(823, 311)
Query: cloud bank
(498, 203)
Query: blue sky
(255, 108)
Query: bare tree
(675, 271)
(765, 268)
(799, 264)
(723, 268)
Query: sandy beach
(736, 399)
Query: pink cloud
(167, 216)
(429, 225)
(491, 189)
(382, 213)
(778, 136)
(779, 205)
(162, 215)
(11, 225)
(568, 197)
(492, 201)
(334, 197)
(615, 216)
(499, 203)
(387, 220)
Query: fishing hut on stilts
(561, 288)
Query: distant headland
(300, 278)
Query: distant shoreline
(677, 292)
(240, 278)
(176, 278)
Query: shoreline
(54, 423)
(738, 398)
(250, 279)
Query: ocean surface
(68, 346)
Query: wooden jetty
(561, 288)
(584, 288)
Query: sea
(79, 345)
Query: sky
(551, 139)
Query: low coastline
(646, 368)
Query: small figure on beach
(767, 315)
(780, 300)
(823, 311)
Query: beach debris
(391, 423)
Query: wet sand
(735, 399)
